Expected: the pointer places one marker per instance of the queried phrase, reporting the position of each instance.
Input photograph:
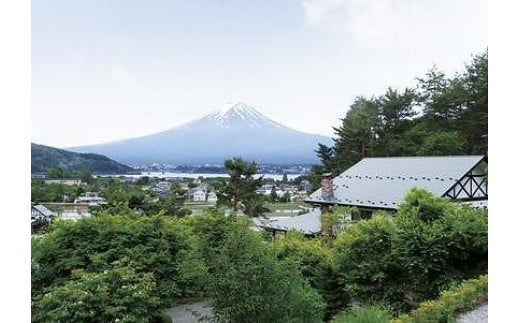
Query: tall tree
(476, 115)
(441, 116)
(240, 190)
(395, 111)
(357, 134)
(326, 155)
(274, 196)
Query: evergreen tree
(443, 116)
(285, 178)
(274, 196)
(240, 190)
(356, 137)
(326, 155)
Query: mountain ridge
(43, 157)
(236, 130)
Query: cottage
(90, 198)
(162, 188)
(197, 194)
(64, 181)
(381, 184)
(40, 213)
(212, 197)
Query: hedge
(466, 296)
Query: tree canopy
(240, 189)
(441, 115)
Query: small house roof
(308, 223)
(43, 210)
(382, 182)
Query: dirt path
(192, 313)
(478, 315)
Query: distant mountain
(237, 130)
(44, 157)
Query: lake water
(197, 175)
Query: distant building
(212, 197)
(40, 213)
(162, 188)
(90, 198)
(197, 194)
(65, 181)
(305, 184)
(266, 190)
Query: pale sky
(104, 70)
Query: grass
(366, 314)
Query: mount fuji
(237, 130)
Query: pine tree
(241, 187)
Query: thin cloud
(385, 24)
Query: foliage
(365, 314)
(117, 294)
(441, 116)
(338, 216)
(430, 243)
(55, 192)
(438, 241)
(156, 244)
(356, 136)
(443, 143)
(325, 155)
(124, 198)
(286, 197)
(466, 296)
(273, 195)
(364, 259)
(250, 284)
(313, 258)
(44, 157)
(241, 187)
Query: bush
(438, 242)
(114, 295)
(466, 296)
(313, 258)
(429, 244)
(251, 285)
(367, 314)
(158, 245)
(364, 259)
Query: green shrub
(313, 259)
(163, 316)
(158, 245)
(466, 296)
(429, 244)
(366, 314)
(251, 285)
(364, 259)
(438, 242)
(114, 295)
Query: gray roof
(43, 210)
(308, 223)
(382, 182)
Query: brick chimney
(327, 185)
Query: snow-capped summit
(241, 114)
(236, 130)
